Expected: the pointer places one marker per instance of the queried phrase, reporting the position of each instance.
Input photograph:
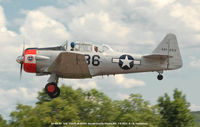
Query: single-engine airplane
(85, 60)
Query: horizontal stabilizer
(157, 56)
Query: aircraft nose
(19, 59)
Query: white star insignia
(126, 62)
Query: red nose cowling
(30, 61)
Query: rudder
(169, 46)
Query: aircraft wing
(70, 65)
(157, 56)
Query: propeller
(21, 70)
(20, 60)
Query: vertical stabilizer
(169, 46)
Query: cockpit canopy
(83, 47)
(106, 48)
(86, 47)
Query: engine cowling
(30, 60)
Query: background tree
(95, 107)
(136, 110)
(176, 112)
(3, 122)
(70, 106)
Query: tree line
(93, 106)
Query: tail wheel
(52, 90)
(160, 77)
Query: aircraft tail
(169, 47)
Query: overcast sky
(134, 26)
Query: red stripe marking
(30, 67)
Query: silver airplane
(84, 60)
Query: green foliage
(136, 110)
(175, 113)
(70, 106)
(3, 122)
(93, 106)
(96, 107)
(89, 106)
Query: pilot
(72, 46)
(96, 48)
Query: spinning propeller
(20, 60)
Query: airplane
(80, 60)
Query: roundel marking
(126, 62)
(30, 58)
